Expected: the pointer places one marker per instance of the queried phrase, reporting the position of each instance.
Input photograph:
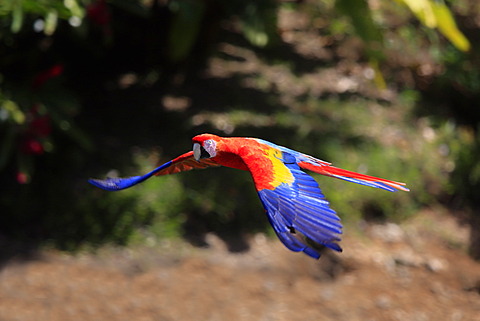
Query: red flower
(31, 146)
(22, 178)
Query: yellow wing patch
(281, 173)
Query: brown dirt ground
(415, 271)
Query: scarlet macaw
(293, 201)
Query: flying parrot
(295, 206)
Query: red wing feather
(184, 163)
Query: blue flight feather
(300, 214)
(117, 184)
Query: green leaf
(14, 110)
(361, 18)
(435, 14)
(17, 16)
(448, 27)
(74, 7)
(51, 20)
(423, 10)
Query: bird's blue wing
(300, 214)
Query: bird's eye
(210, 147)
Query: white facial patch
(211, 147)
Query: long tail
(354, 177)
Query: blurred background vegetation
(112, 87)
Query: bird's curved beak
(197, 152)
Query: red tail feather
(339, 173)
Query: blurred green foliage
(89, 87)
(48, 11)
